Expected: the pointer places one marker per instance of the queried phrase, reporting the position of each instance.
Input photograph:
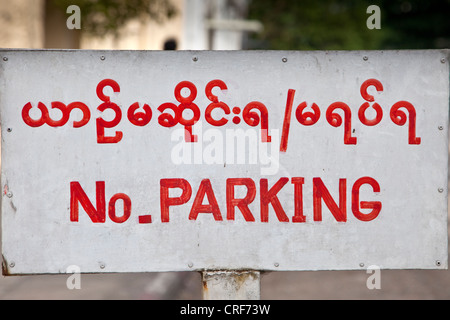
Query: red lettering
(107, 104)
(215, 103)
(243, 203)
(399, 118)
(307, 118)
(287, 120)
(140, 118)
(65, 114)
(270, 196)
(336, 120)
(298, 200)
(167, 201)
(86, 113)
(254, 113)
(77, 194)
(166, 119)
(374, 205)
(31, 122)
(126, 208)
(197, 207)
(145, 219)
(253, 119)
(361, 113)
(267, 196)
(321, 192)
(187, 103)
(64, 118)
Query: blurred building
(199, 25)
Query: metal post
(231, 285)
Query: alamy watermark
(374, 20)
(227, 147)
(74, 280)
(74, 20)
(374, 280)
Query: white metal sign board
(132, 161)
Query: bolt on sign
(132, 161)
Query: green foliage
(99, 17)
(416, 24)
(341, 25)
(312, 24)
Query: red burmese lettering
(287, 120)
(253, 119)
(106, 83)
(139, 118)
(65, 114)
(168, 120)
(187, 103)
(86, 113)
(253, 114)
(336, 120)
(370, 82)
(399, 118)
(361, 113)
(31, 122)
(107, 104)
(307, 118)
(215, 103)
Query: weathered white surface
(38, 164)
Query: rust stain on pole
(231, 285)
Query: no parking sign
(133, 161)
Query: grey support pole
(231, 285)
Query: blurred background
(225, 24)
(228, 25)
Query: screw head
(441, 128)
(284, 59)
(195, 59)
(9, 129)
(443, 60)
(12, 265)
(102, 266)
(276, 264)
(441, 190)
(438, 263)
(5, 58)
(102, 58)
(190, 264)
(365, 58)
(9, 194)
(361, 264)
